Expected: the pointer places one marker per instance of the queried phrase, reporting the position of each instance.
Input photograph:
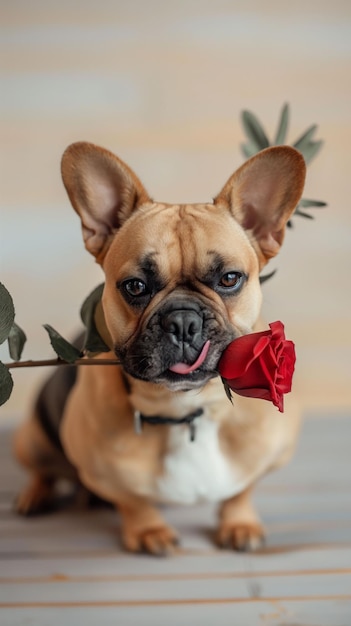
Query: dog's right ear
(103, 190)
(263, 193)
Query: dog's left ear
(263, 193)
(103, 190)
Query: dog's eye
(135, 287)
(231, 281)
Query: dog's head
(182, 281)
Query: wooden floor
(68, 567)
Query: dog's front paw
(242, 537)
(35, 498)
(160, 541)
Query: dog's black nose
(183, 325)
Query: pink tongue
(184, 368)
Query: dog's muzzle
(179, 346)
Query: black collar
(139, 418)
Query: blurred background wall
(162, 84)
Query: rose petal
(238, 356)
(260, 365)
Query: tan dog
(182, 281)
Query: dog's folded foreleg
(143, 528)
(239, 525)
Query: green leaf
(6, 384)
(267, 276)
(93, 344)
(62, 347)
(7, 313)
(16, 340)
(227, 389)
(305, 138)
(311, 150)
(305, 203)
(254, 130)
(280, 137)
(248, 150)
(303, 214)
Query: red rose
(260, 365)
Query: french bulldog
(182, 281)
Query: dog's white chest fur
(195, 471)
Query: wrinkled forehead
(194, 238)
